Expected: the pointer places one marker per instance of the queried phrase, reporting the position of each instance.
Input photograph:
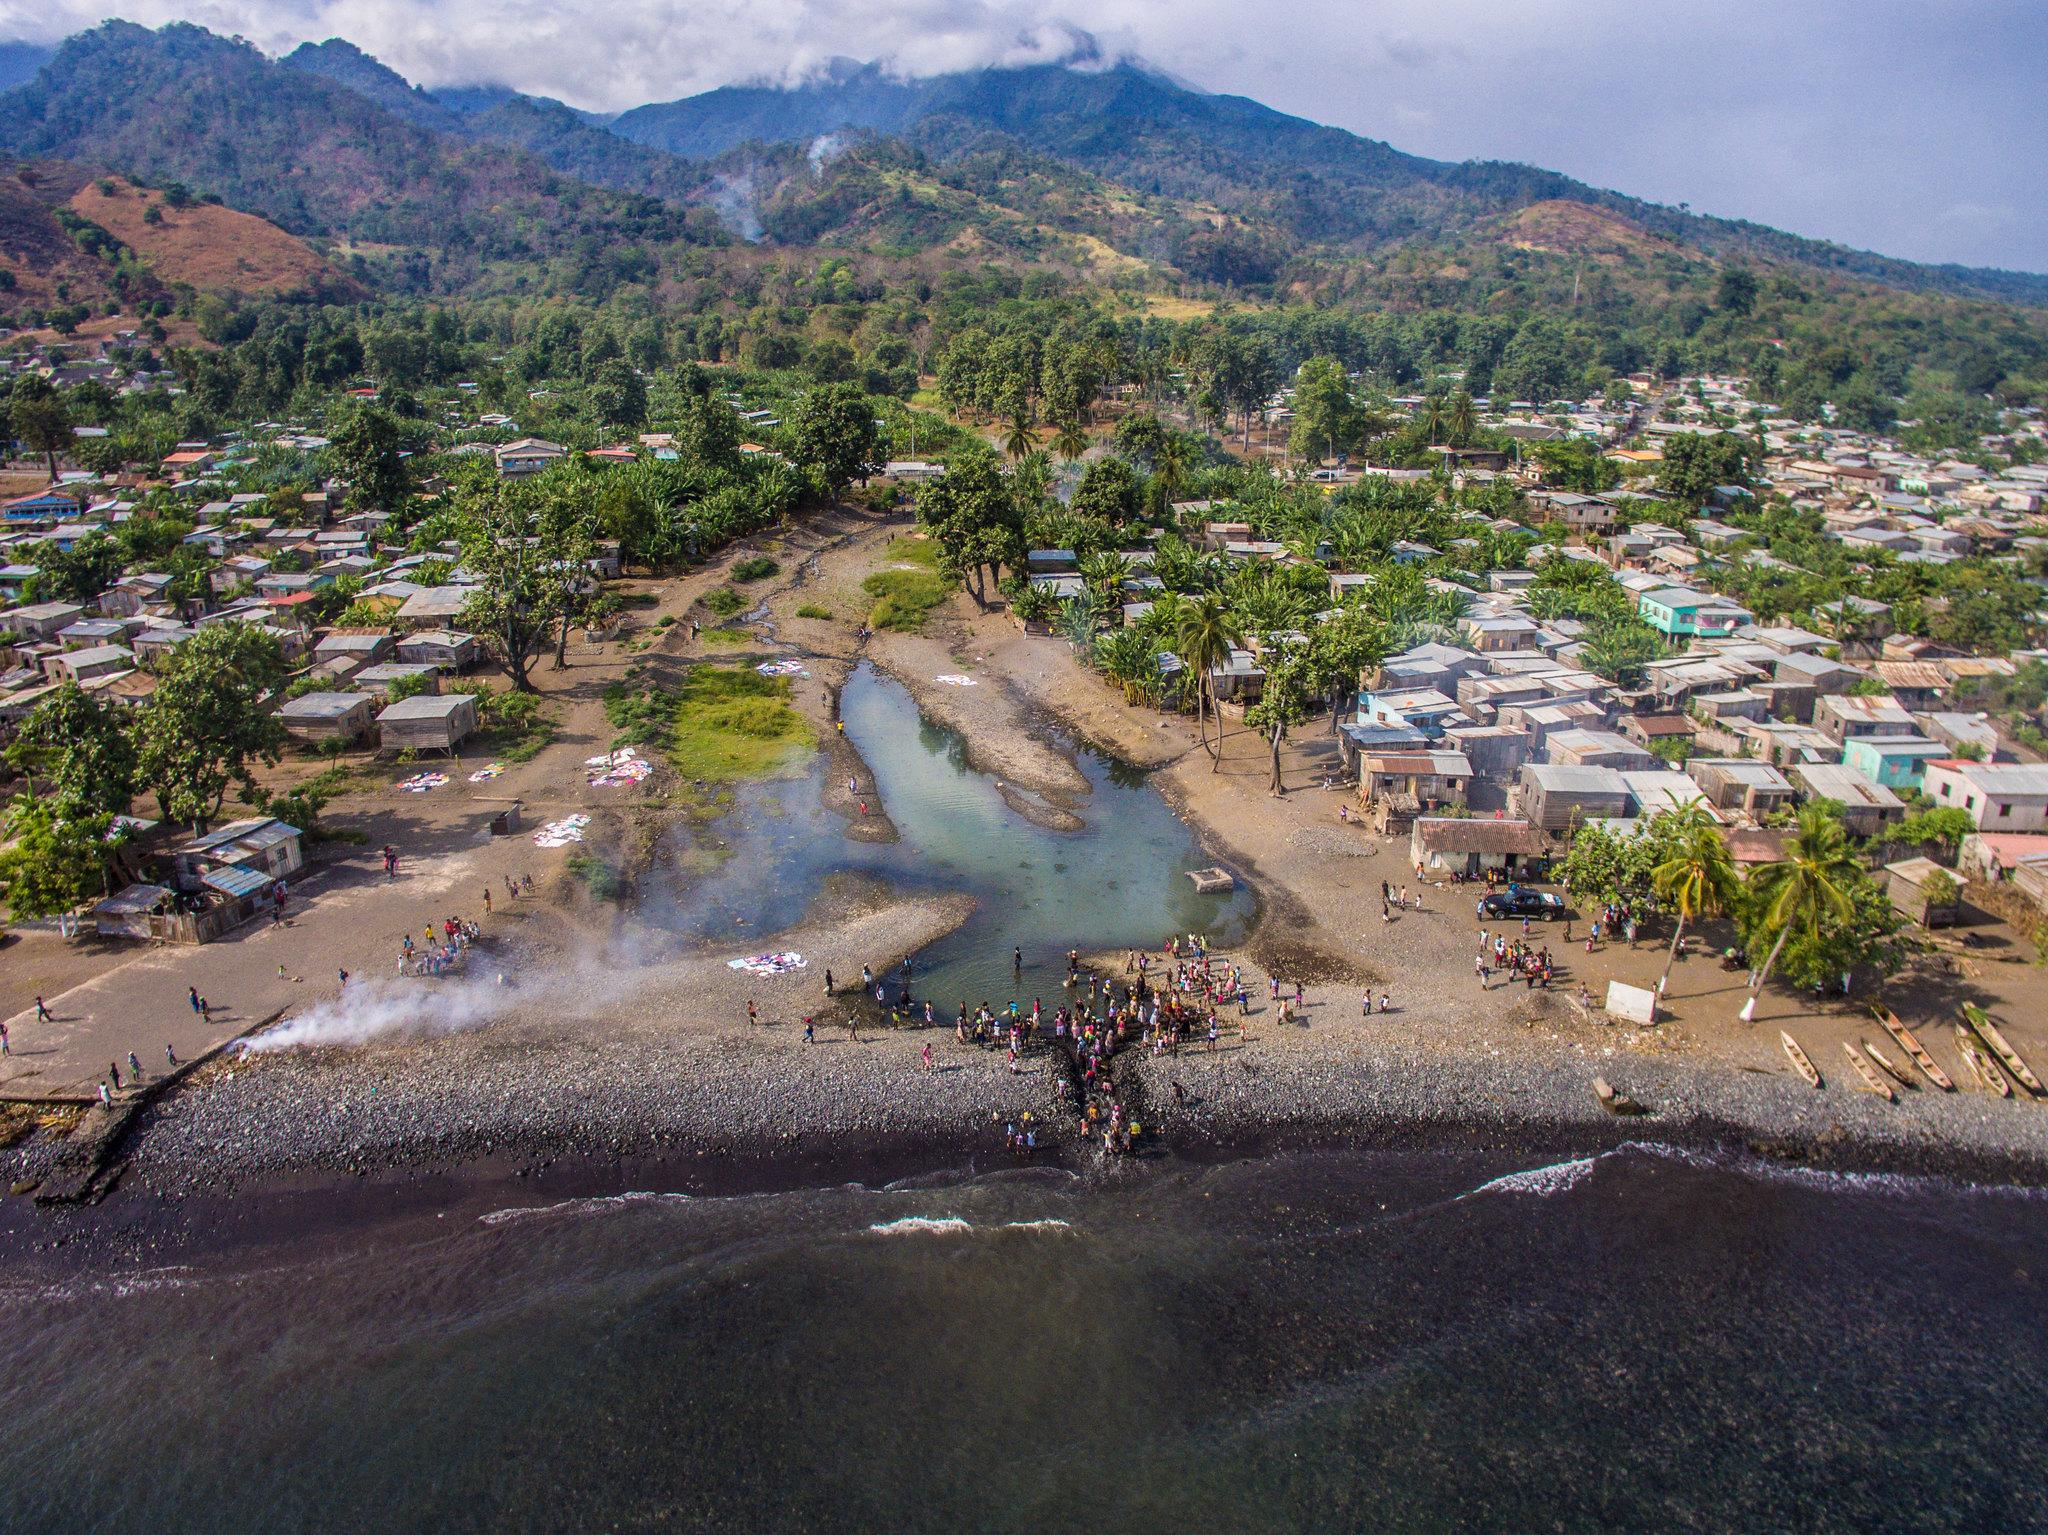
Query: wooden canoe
(1912, 1047)
(1981, 1022)
(1897, 1073)
(1981, 1063)
(1612, 1101)
(1800, 1061)
(1872, 1082)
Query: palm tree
(1809, 886)
(1208, 633)
(1019, 442)
(1070, 442)
(1170, 467)
(1432, 417)
(1697, 880)
(1460, 419)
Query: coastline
(617, 1081)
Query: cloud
(1833, 117)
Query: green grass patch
(903, 598)
(757, 568)
(812, 610)
(725, 602)
(728, 639)
(914, 551)
(513, 727)
(603, 879)
(722, 725)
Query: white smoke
(733, 196)
(424, 1007)
(825, 148)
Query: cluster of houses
(1490, 752)
(382, 679)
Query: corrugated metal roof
(234, 882)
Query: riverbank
(613, 1041)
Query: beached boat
(1979, 1061)
(1912, 1047)
(1897, 1073)
(1800, 1061)
(1981, 1022)
(1615, 1102)
(1872, 1082)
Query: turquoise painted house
(1680, 613)
(1893, 762)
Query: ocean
(1448, 1339)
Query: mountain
(323, 160)
(556, 134)
(1318, 185)
(70, 237)
(19, 63)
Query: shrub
(903, 598)
(812, 610)
(758, 568)
(725, 602)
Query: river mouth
(1119, 881)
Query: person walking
(134, 1068)
(4, 1048)
(43, 1013)
(810, 1031)
(192, 992)
(487, 900)
(753, 1017)
(1367, 1013)
(106, 1099)
(114, 1071)
(828, 980)
(170, 1057)
(925, 1057)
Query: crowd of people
(1519, 959)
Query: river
(1120, 881)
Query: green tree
(1208, 633)
(1292, 683)
(76, 752)
(1695, 879)
(367, 451)
(1695, 465)
(1109, 490)
(1325, 412)
(55, 860)
(1736, 292)
(619, 395)
(1809, 887)
(1347, 644)
(517, 598)
(206, 725)
(971, 512)
(77, 574)
(1019, 441)
(1070, 441)
(37, 418)
(836, 436)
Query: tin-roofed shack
(428, 722)
(314, 717)
(1469, 846)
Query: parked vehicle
(1521, 901)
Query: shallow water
(1445, 1340)
(1120, 881)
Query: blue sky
(1914, 129)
